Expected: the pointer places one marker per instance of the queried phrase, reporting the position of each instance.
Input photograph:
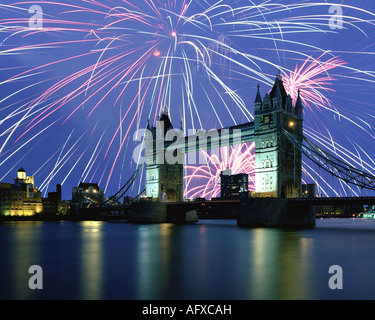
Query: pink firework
(204, 180)
(312, 78)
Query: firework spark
(203, 181)
(97, 70)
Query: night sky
(76, 84)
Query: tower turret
(164, 181)
(277, 98)
(299, 106)
(258, 102)
(278, 94)
(289, 104)
(21, 174)
(266, 102)
(278, 170)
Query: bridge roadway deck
(312, 201)
(336, 201)
(318, 201)
(220, 207)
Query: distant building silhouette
(233, 185)
(23, 198)
(86, 194)
(53, 203)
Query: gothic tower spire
(258, 102)
(299, 106)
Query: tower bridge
(277, 131)
(278, 169)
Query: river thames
(210, 260)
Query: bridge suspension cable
(332, 164)
(119, 194)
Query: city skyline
(75, 88)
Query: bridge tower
(278, 170)
(164, 181)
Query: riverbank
(57, 218)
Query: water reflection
(261, 261)
(154, 260)
(293, 278)
(202, 255)
(91, 260)
(209, 260)
(280, 265)
(24, 252)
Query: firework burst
(204, 180)
(97, 70)
(312, 78)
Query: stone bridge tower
(278, 170)
(164, 181)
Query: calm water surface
(212, 259)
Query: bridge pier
(158, 212)
(148, 212)
(274, 212)
(182, 217)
